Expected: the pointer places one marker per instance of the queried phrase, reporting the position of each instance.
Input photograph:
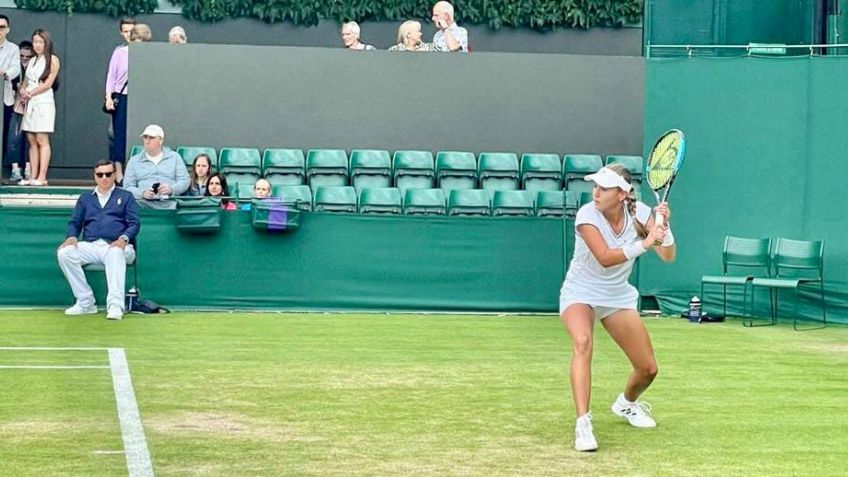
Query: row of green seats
(391, 200)
(449, 170)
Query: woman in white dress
(610, 233)
(40, 115)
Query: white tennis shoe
(584, 437)
(637, 413)
(78, 309)
(114, 313)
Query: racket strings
(662, 161)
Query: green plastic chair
(326, 167)
(241, 160)
(550, 203)
(380, 200)
(750, 255)
(634, 164)
(514, 203)
(577, 166)
(796, 264)
(297, 196)
(498, 171)
(135, 150)
(469, 202)
(334, 199)
(189, 153)
(370, 168)
(241, 185)
(284, 166)
(424, 202)
(413, 170)
(541, 172)
(456, 170)
(582, 199)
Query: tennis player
(611, 232)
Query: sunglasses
(103, 174)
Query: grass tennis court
(313, 394)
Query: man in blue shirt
(108, 221)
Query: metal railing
(751, 49)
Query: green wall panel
(765, 148)
(333, 262)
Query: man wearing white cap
(157, 173)
(610, 233)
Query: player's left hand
(662, 209)
(119, 243)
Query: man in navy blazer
(108, 220)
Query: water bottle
(695, 309)
(132, 299)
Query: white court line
(135, 445)
(44, 348)
(52, 367)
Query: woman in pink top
(116, 97)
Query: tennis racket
(663, 165)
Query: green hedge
(536, 14)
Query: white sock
(623, 400)
(584, 418)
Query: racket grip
(659, 220)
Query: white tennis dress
(590, 283)
(40, 114)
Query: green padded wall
(332, 262)
(765, 158)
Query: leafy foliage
(535, 14)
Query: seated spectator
(217, 187)
(409, 38)
(177, 36)
(350, 37)
(450, 37)
(261, 191)
(157, 173)
(199, 175)
(141, 32)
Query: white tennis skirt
(39, 118)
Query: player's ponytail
(641, 230)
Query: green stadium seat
(298, 196)
(283, 166)
(135, 150)
(424, 202)
(413, 170)
(189, 153)
(577, 166)
(541, 172)
(513, 203)
(634, 164)
(456, 170)
(550, 203)
(583, 199)
(370, 168)
(326, 167)
(572, 203)
(241, 185)
(498, 171)
(796, 264)
(241, 160)
(379, 200)
(334, 199)
(469, 202)
(739, 253)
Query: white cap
(153, 130)
(608, 178)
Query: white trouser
(72, 258)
